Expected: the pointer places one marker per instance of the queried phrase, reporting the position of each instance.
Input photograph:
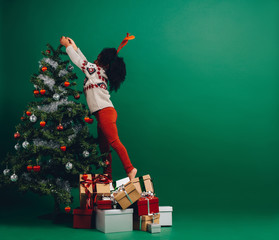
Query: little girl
(107, 70)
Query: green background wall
(199, 110)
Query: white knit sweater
(95, 82)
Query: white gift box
(165, 216)
(119, 182)
(114, 220)
(154, 227)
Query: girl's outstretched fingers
(132, 174)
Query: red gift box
(104, 204)
(147, 205)
(83, 218)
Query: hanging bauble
(17, 146)
(33, 118)
(25, 144)
(14, 177)
(36, 92)
(47, 51)
(84, 177)
(66, 84)
(70, 68)
(67, 209)
(56, 96)
(17, 135)
(36, 168)
(107, 162)
(77, 96)
(29, 168)
(42, 123)
(60, 127)
(23, 118)
(86, 119)
(42, 91)
(63, 148)
(69, 166)
(6, 171)
(28, 113)
(85, 154)
(90, 120)
(44, 69)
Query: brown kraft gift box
(146, 181)
(82, 194)
(123, 200)
(145, 219)
(102, 189)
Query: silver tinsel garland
(47, 81)
(52, 107)
(39, 142)
(26, 176)
(62, 73)
(76, 129)
(49, 61)
(63, 184)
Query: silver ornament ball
(85, 154)
(14, 177)
(6, 171)
(33, 118)
(56, 96)
(69, 166)
(25, 144)
(17, 146)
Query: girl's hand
(72, 43)
(64, 41)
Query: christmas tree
(53, 141)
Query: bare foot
(132, 173)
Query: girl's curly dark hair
(116, 70)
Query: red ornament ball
(29, 168)
(36, 92)
(107, 162)
(44, 69)
(67, 209)
(36, 168)
(66, 84)
(42, 91)
(17, 135)
(84, 176)
(77, 96)
(87, 119)
(60, 127)
(23, 118)
(63, 148)
(90, 120)
(42, 123)
(47, 51)
(28, 113)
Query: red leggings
(108, 136)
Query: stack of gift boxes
(120, 206)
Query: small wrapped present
(143, 184)
(140, 222)
(105, 203)
(114, 220)
(102, 185)
(147, 205)
(126, 195)
(153, 228)
(166, 215)
(86, 191)
(118, 183)
(83, 218)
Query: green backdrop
(199, 108)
